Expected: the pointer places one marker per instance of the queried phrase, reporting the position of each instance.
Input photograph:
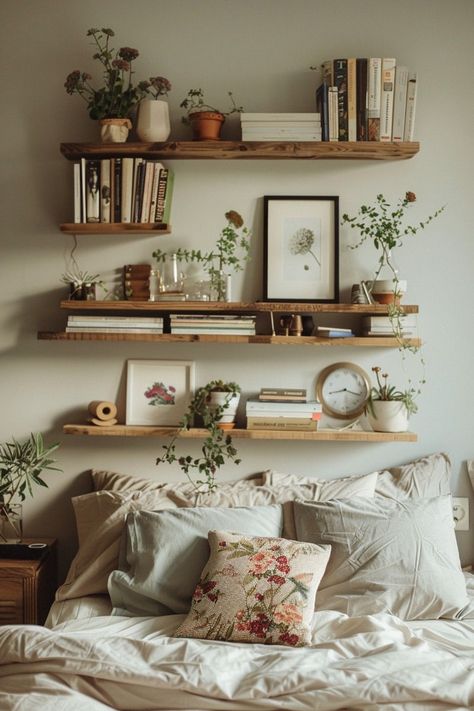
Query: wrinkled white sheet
(365, 663)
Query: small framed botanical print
(158, 391)
(301, 248)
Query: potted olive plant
(208, 411)
(21, 466)
(388, 408)
(205, 120)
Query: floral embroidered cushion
(256, 589)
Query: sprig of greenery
(217, 446)
(21, 464)
(194, 103)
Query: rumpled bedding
(364, 663)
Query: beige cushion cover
(426, 477)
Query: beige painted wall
(261, 50)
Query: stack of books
(123, 190)
(333, 332)
(367, 99)
(205, 324)
(383, 326)
(283, 409)
(281, 127)
(114, 324)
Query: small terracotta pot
(206, 125)
(383, 291)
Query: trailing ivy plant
(217, 447)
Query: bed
(100, 651)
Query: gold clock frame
(322, 379)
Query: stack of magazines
(223, 324)
(114, 324)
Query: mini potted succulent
(208, 408)
(21, 466)
(388, 408)
(82, 285)
(205, 120)
(112, 103)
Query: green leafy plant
(118, 96)
(195, 103)
(231, 251)
(21, 466)
(384, 391)
(217, 447)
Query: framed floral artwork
(158, 391)
(301, 248)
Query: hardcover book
(409, 130)
(322, 105)
(399, 103)
(374, 90)
(387, 96)
(93, 190)
(105, 194)
(352, 99)
(340, 82)
(361, 72)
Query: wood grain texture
(114, 228)
(246, 150)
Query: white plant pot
(389, 416)
(218, 399)
(153, 125)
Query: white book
(147, 184)
(399, 103)
(83, 191)
(351, 99)
(105, 194)
(409, 130)
(127, 184)
(279, 138)
(387, 95)
(279, 117)
(279, 125)
(266, 407)
(333, 113)
(283, 131)
(114, 324)
(125, 319)
(212, 331)
(374, 95)
(112, 329)
(157, 167)
(77, 192)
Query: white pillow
(426, 477)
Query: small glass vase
(11, 523)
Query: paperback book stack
(333, 332)
(136, 282)
(384, 326)
(122, 190)
(367, 99)
(281, 127)
(114, 324)
(225, 325)
(283, 409)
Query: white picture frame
(158, 391)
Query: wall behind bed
(261, 50)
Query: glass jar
(171, 279)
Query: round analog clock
(343, 390)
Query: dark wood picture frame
(301, 248)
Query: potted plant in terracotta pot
(112, 103)
(388, 408)
(21, 466)
(205, 120)
(206, 409)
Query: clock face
(343, 390)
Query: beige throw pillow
(256, 589)
(426, 477)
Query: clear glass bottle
(171, 279)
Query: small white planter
(390, 416)
(153, 123)
(218, 399)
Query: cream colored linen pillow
(390, 556)
(256, 589)
(100, 519)
(425, 477)
(104, 480)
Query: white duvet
(370, 662)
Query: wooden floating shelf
(196, 433)
(362, 341)
(247, 150)
(232, 307)
(114, 228)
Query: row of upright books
(205, 324)
(280, 126)
(114, 324)
(122, 190)
(283, 409)
(367, 99)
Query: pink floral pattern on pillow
(256, 589)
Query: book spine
(77, 192)
(361, 72)
(160, 199)
(409, 130)
(351, 99)
(340, 82)
(107, 329)
(374, 90)
(399, 103)
(117, 189)
(283, 391)
(154, 191)
(333, 114)
(147, 184)
(137, 162)
(127, 183)
(274, 425)
(386, 105)
(93, 191)
(168, 197)
(83, 191)
(323, 107)
(105, 190)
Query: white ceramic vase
(218, 399)
(153, 125)
(389, 416)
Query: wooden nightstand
(27, 586)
